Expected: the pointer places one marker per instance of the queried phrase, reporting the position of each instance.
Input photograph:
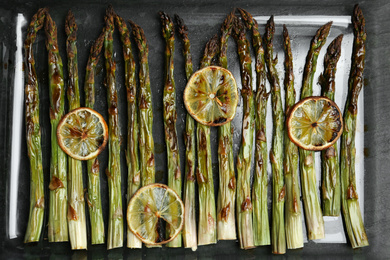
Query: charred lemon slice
(315, 123)
(211, 96)
(149, 207)
(82, 133)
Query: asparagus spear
(330, 160)
(244, 159)
(226, 222)
(146, 143)
(113, 172)
(351, 210)
(76, 224)
(93, 195)
(207, 233)
(58, 229)
(33, 133)
(170, 116)
(276, 155)
(293, 215)
(261, 234)
(134, 173)
(313, 213)
(189, 229)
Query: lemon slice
(315, 123)
(148, 206)
(211, 96)
(82, 133)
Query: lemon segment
(211, 96)
(315, 123)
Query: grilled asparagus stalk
(349, 197)
(226, 221)
(261, 233)
(329, 158)
(244, 159)
(170, 115)
(33, 133)
(313, 213)
(278, 237)
(189, 229)
(93, 195)
(77, 223)
(58, 214)
(146, 142)
(207, 231)
(134, 173)
(294, 233)
(113, 172)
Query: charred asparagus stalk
(113, 172)
(93, 195)
(313, 213)
(189, 229)
(261, 233)
(244, 159)
(58, 228)
(330, 160)
(226, 221)
(134, 173)
(294, 233)
(33, 133)
(276, 155)
(207, 233)
(76, 224)
(170, 116)
(146, 143)
(351, 210)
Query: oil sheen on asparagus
(226, 221)
(207, 231)
(278, 236)
(76, 208)
(350, 203)
(134, 173)
(113, 172)
(33, 133)
(189, 229)
(244, 158)
(261, 233)
(58, 224)
(311, 203)
(170, 117)
(94, 195)
(331, 197)
(293, 214)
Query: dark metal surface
(203, 19)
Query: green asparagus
(113, 172)
(293, 215)
(189, 229)
(207, 231)
(170, 116)
(33, 133)
(329, 157)
(59, 211)
(351, 210)
(77, 224)
(276, 154)
(134, 173)
(313, 213)
(93, 195)
(146, 143)
(226, 222)
(244, 159)
(261, 233)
